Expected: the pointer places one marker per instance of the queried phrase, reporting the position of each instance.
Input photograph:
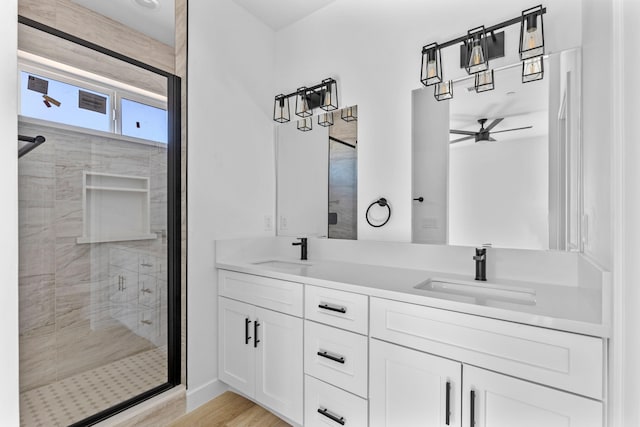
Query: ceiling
(277, 14)
(158, 23)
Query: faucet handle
(481, 254)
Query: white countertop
(566, 308)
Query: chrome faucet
(481, 264)
(303, 247)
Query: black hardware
(447, 410)
(326, 306)
(326, 355)
(419, 199)
(246, 330)
(34, 142)
(481, 264)
(383, 203)
(472, 412)
(303, 247)
(339, 141)
(255, 334)
(332, 417)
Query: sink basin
(283, 265)
(480, 290)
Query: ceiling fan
(484, 134)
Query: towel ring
(380, 202)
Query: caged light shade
(349, 114)
(477, 57)
(484, 81)
(305, 124)
(302, 103)
(281, 112)
(443, 91)
(431, 70)
(326, 119)
(531, 33)
(532, 69)
(329, 95)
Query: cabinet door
(279, 375)
(235, 337)
(408, 388)
(502, 401)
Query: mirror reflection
(500, 167)
(317, 177)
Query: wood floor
(229, 410)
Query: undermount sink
(480, 290)
(283, 265)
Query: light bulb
(477, 56)
(327, 98)
(444, 88)
(431, 69)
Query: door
(409, 388)
(279, 373)
(495, 400)
(235, 338)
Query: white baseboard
(199, 396)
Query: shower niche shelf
(115, 208)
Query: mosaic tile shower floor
(77, 397)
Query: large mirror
(317, 177)
(500, 167)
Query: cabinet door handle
(255, 334)
(472, 411)
(339, 359)
(326, 306)
(447, 410)
(326, 413)
(246, 330)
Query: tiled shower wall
(69, 319)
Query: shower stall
(99, 229)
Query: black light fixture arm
(324, 84)
(463, 39)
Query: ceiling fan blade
(509, 130)
(462, 132)
(492, 139)
(494, 123)
(462, 139)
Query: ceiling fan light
(484, 81)
(431, 70)
(443, 91)
(531, 33)
(532, 69)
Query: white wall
(231, 175)
(9, 412)
(375, 56)
(597, 128)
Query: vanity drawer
(322, 401)
(563, 360)
(278, 295)
(336, 356)
(344, 310)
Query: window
(72, 97)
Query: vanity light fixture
(532, 69)
(477, 51)
(305, 124)
(484, 81)
(443, 91)
(349, 114)
(531, 33)
(329, 95)
(431, 70)
(302, 103)
(326, 119)
(281, 112)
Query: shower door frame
(174, 222)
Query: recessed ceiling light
(148, 4)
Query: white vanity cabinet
(260, 349)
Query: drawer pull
(332, 417)
(246, 330)
(472, 413)
(326, 355)
(255, 334)
(447, 410)
(326, 306)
